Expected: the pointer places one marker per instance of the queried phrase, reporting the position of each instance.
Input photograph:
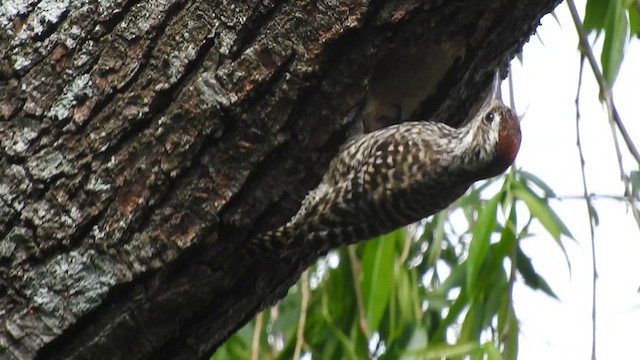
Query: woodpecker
(395, 176)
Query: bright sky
(545, 90)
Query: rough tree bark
(143, 141)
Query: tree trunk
(143, 142)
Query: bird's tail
(272, 245)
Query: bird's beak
(492, 94)
(496, 93)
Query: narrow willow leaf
(388, 326)
(339, 285)
(437, 303)
(404, 295)
(414, 341)
(456, 278)
(359, 340)
(530, 276)
(480, 242)
(347, 345)
(414, 336)
(473, 197)
(511, 338)
(594, 17)
(634, 19)
(472, 323)
(418, 293)
(543, 212)
(491, 351)
(377, 275)
(332, 320)
(616, 27)
(438, 351)
(476, 354)
(546, 189)
(454, 312)
(435, 246)
(508, 235)
(496, 290)
(547, 217)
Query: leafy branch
(607, 95)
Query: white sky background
(545, 89)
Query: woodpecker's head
(500, 129)
(493, 137)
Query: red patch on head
(509, 137)
(507, 147)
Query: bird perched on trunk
(395, 176)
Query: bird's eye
(489, 117)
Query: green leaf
(473, 197)
(413, 336)
(594, 18)
(546, 189)
(546, 216)
(454, 311)
(511, 341)
(435, 246)
(616, 27)
(456, 278)
(472, 323)
(348, 346)
(482, 230)
(634, 19)
(438, 351)
(530, 276)
(404, 295)
(377, 274)
(495, 292)
(491, 350)
(543, 212)
(418, 340)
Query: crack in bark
(130, 132)
(248, 33)
(117, 17)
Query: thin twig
(623, 175)
(355, 272)
(614, 117)
(587, 198)
(602, 82)
(592, 196)
(304, 302)
(255, 346)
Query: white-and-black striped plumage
(395, 176)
